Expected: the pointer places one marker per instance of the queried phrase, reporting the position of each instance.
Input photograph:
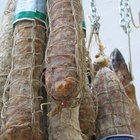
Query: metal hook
(136, 26)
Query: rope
(90, 38)
(100, 44)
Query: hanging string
(100, 44)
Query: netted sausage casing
(21, 112)
(6, 43)
(113, 112)
(64, 79)
(87, 114)
(62, 55)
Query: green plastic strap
(27, 14)
(30, 15)
(40, 16)
(84, 25)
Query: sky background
(112, 34)
(2, 6)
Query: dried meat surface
(6, 43)
(113, 112)
(64, 67)
(21, 112)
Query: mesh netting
(6, 42)
(87, 114)
(113, 113)
(21, 112)
(63, 72)
(66, 70)
(89, 106)
(135, 120)
(119, 66)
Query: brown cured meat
(6, 43)
(64, 69)
(125, 77)
(62, 56)
(65, 125)
(87, 114)
(119, 65)
(113, 112)
(88, 106)
(135, 120)
(21, 112)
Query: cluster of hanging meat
(79, 106)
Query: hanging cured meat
(6, 43)
(21, 114)
(87, 114)
(119, 65)
(88, 107)
(135, 120)
(65, 62)
(113, 112)
(62, 55)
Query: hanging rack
(94, 21)
(95, 27)
(126, 17)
